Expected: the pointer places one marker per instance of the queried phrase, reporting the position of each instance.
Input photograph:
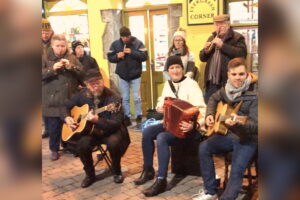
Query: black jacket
(109, 122)
(249, 131)
(233, 46)
(130, 67)
(88, 62)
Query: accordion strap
(173, 88)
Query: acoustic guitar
(79, 114)
(225, 111)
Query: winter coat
(109, 122)
(249, 131)
(88, 62)
(58, 86)
(130, 67)
(233, 46)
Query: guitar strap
(173, 88)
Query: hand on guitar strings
(231, 121)
(209, 121)
(92, 117)
(186, 126)
(70, 122)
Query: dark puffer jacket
(130, 67)
(233, 46)
(249, 131)
(58, 86)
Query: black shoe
(87, 181)
(146, 175)
(127, 121)
(158, 187)
(45, 135)
(138, 119)
(118, 178)
(54, 155)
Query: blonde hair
(60, 37)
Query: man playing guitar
(108, 129)
(241, 139)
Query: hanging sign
(201, 11)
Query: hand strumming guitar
(70, 122)
(209, 121)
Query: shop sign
(201, 11)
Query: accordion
(175, 111)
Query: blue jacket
(130, 67)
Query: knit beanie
(92, 74)
(46, 26)
(124, 31)
(75, 44)
(180, 32)
(172, 60)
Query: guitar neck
(100, 110)
(238, 118)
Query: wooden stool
(248, 174)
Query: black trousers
(86, 145)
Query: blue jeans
(241, 156)
(54, 126)
(164, 140)
(135, 86)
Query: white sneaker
(202, 196)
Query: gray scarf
(215, 68)
(233, 92)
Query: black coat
(233, 46)
(249, 131)
(58, 86)
(88, 62)
(130, 67)
(109, 122)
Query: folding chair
(103, 155)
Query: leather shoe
(54, 156)
(118, 178)
(87, 181)
(147, 174)
(158, 187)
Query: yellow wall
(96, 29)
(196, 34)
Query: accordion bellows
(175, 111)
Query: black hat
(92, 74)
(124, 31)
(172, 60)
(75, 44)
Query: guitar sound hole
(79, 119)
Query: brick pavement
(61, 179)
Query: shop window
(69, 17)
(68, 5)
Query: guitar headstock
(113, 107)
